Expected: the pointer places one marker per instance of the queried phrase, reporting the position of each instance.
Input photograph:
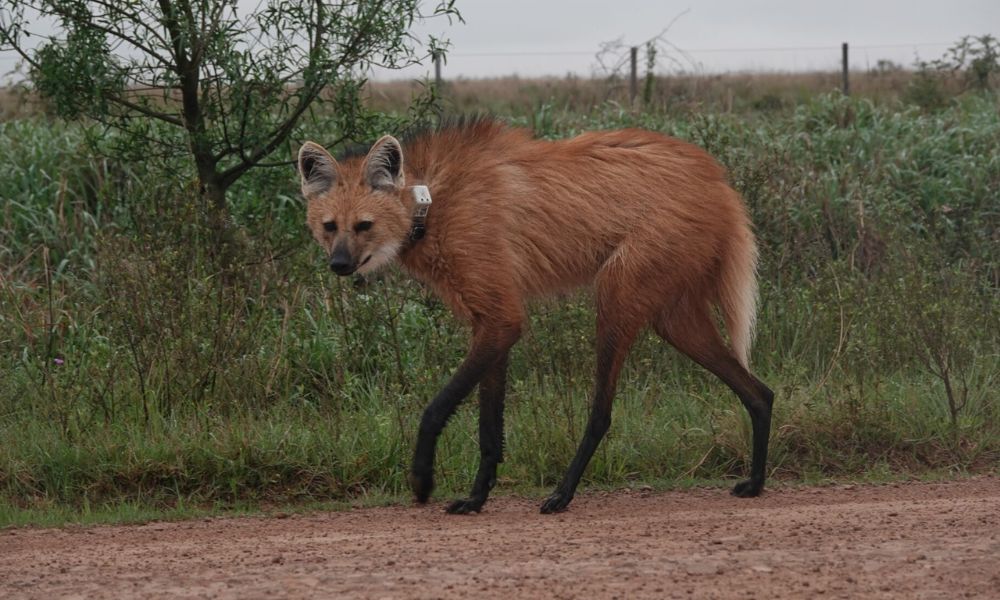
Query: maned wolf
(489, 217)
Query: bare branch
(165, 117)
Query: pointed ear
(317, 168)
(384, 165)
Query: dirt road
(918, 540)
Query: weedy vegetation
(143, 372)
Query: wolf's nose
(341, 265)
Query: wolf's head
(355, 209)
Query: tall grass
(136, 369)
(679, 93)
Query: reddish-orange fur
(648, 219)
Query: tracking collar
(422, 205)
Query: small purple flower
(58, 361)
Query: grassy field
(733, 92)
(140, 378)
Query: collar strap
(421, 206)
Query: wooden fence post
(846, 86)
(437, 70)
(633, 82)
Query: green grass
(141, 380)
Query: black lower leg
(612, 347)
(694, 334)
(758, 405)
(431, 425)
(491, 398)
(597, 426)
(436, 417)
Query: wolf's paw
(422, 484)
(465, 506)
(557, 502)
(748, 489)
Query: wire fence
(586, 62)
(697, 51)
(659, 57)
(690, 60)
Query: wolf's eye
(363, 226)
(330, 226)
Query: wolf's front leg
(490, 345)
(491, 396)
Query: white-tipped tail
(738, 293)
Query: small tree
(977, 57)
(650, 83)
(206, 79)
(930, 311)
(973, 62)
(613, 57)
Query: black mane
(418, 130)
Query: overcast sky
(556, 37)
